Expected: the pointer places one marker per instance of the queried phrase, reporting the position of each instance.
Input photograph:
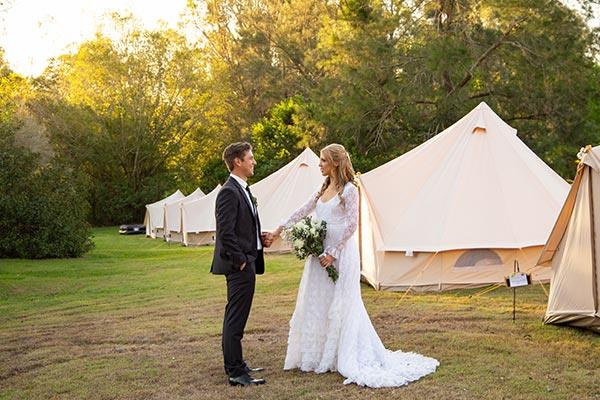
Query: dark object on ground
(246, 380)
(132, 229)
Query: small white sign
(518, 279)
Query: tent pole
(593, 235)
(514, 294)
(514, 304)
(360, 250)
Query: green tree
(282, 135)
(44, 210)
(122, 110)
(13, 89)
(42, 205)
(398, 73)
(259, 53)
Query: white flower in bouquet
(307, 238)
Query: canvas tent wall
(573, 251)
(285, 190)
(198, 219)
(172, 224)
(155, 215)
(457, 210)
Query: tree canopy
(141, 113)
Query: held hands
(243, 266)
(267, 239)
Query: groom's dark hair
(233, 151)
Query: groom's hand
(243, 266)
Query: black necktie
(255, 215)
(251, 198)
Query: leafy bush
(282, 135)
(43, 212)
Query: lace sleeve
(303, 211)
(350, 196)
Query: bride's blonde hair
(337, 156)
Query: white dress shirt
(244, 184)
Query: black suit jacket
(235, 238)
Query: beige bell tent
(155, 215)
(198, 219)
(573, 249)
(173, 232)
(281, 193)
(457, 210)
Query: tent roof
(198, 215)
(156, 211)
(590, 157)
(571, 252)
(474, 185)
(285, 190)
(173, 210)
(174, 196)
(196, 194)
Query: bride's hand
(326, 260)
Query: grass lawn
(141, 319)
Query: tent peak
(307, 157)
(479, 125)
(307, 150)
(464, 181)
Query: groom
(238, 255)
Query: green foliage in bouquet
(307, 238)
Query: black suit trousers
(240, 292)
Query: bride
(330, 329)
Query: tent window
(477, 258)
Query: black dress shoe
(245, 380)
(249, 370)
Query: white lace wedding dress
(330, 329)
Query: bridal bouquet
(307, 237)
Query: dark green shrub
(42, 208)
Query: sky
(34, 31)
